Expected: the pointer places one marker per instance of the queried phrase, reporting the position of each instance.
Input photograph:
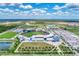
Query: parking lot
(71, 39)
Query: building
(53, 38)
(56, 38)
(28, 30)
(38, 37)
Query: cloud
(62, 13)
(67, 5)
(6, 10)
(20, 10)
(21, 13)
(3, 4)
(26, 6)
(58, 13)
(17, 10)
(12, 4)
(39, 10)
(49, 14)
(44, 8)
(8, 4)
(56, 7)
(37, 3)
(72, 7)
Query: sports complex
(36, 38)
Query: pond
(5, 45)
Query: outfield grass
(8, 35)
(29, 34)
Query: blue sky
(39, 11)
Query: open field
(40, 46)
(6, 27)
(74, 29)
(26, 26)
(8, 35)
(37, 48)
(65, 49)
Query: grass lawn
(29, 34)
(74, 29)
(8, 35)
(28, 26)
(65, 49)
(37, 48)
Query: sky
(39, 10)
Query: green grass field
(37, 48)
(74, 29)
(29, 34)
(65, 49)
(8, 35)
